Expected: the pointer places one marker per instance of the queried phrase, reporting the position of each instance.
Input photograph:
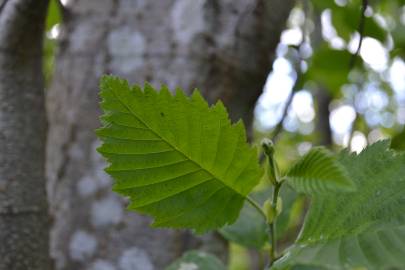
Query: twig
(361, 27)
(273, 254)
(256, 206)
(279, 127)
(352, 130)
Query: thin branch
(273, 252)
(279, 127)
(351, 132)
(257, 207)
(361, 27)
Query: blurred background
(292, 70)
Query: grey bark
(222, 47)
(24, 221)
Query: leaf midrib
(171, 145)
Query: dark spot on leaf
(162, 114)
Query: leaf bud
(269, 211)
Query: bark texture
(222, 47)
(24, 221)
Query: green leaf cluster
(184, 163)
(365, 228)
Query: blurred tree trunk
(323, 96)
(24, 221)
(323, 99)
(224, 48)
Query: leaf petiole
(256, 206)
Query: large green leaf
(375, 250)
(175, 157)
(365, 228)
(319, 171)
(195, 260)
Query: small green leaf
(269, 210)
(195, 260)
(318, 171)
(176, 158)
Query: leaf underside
(365, 228)
(318, 171)
(176, 158)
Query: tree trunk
(222, 47)
(24, 221)
(323, 99)
(322, 95)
